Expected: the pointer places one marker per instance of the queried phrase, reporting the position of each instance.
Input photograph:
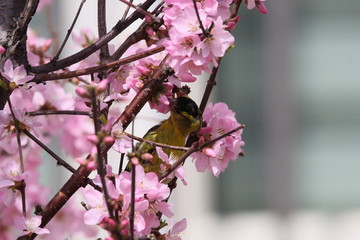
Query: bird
(185, 118)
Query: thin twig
(63, 75)
(180, 161)
(23, 197)
(101, 167)
(56, 57)
(133, 185)
(27, 14)
(59, 112)
(205, 32)
(21, 157)
(126, 10)
(122, 156)
(17, 130)
(58, 159)
(140, 10)
(132, 203)
(195, 147)
(221, 136)
(209, 87)
(162, 145)
(115, 31)
(235, 8)
(138, 35)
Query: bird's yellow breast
(173, 131)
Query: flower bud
(209, 152)
(46, 46)
(148, 19)
(81, 160)
(232, 23)
(91, 165)
(261, 8)
(93, 152)
(150, 31)
(2, 49)
(147, 156)
(135, 161)
(93, 138)
(82, 92)
(143, 69)
(108, 140)
(102, 86)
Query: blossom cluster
(192, 48)
(150, 200)
(193, 39)
(216, 157)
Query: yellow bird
(184, 119)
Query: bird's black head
(187, 105)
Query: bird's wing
(151, 136)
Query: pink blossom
(122, 142)
(178, 172)
(12, 174)
(175, 231)
(10, 177)
(220, 119)
(30, 225)
(117, 80)
(161, 102)
(149, 196)
(218, 43)
(89, 162)
(83, 37)
(37, 47)
(36, 44)
(98, 210)
(191, 50)
(102, 86)
(7, 126)
(180, 43)
(70, 214)
(18, 75)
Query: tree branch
(100, 162)
(58, 159)
(104, 50)
(209, 87)
(56, 76)
(79, 177)
(116, 30)
(56, 57)
(59, 112)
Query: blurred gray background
(296, 72)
